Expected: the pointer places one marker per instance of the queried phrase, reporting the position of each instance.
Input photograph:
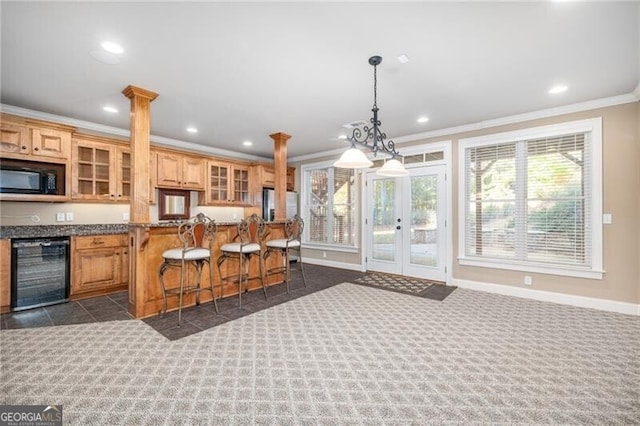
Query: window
(329, 196)
(531, 200)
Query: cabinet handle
(24, 147)
(36, 149)
(96, 242)
(126, 252)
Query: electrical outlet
(528, 280)
(60, 217)
(607, 219)
(69, 216)
(125, 216)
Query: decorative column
(280, 164)
(140, 127)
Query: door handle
(398, 227)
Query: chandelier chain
(375, 86)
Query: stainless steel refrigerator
(269, 204)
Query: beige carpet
(349, 354)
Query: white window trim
(304, 209)
(593, 125)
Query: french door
(405, 222)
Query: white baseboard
(548, 296)
(333, 264)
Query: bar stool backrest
(251, 230)
(294, 227)
(198, 231)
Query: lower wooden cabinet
(5, 275)
(100, 265)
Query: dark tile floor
(104, 308)
(194, 319)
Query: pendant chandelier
(372, 138)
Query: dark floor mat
(407, 285)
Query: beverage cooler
(39, 272)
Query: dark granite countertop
(47, 231)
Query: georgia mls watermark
(30, 415)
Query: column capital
(280, 137)
(133, 91)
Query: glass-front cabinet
(100, 170)
(227, 184)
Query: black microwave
(31, 177)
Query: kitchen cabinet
(5, 275)
(34, 140)
(100, 265)
(179, 171)
(100, 170)
(268, 177)
(227, 184)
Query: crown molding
(116, 131)
(528, 116)
(519, 118)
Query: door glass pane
(384, 216)
(424, 221)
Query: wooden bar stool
(196, 235)
(250, 233)
(293, 229)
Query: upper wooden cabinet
(175, 170)
(227, 184)
(34, 140)
(100, 169)
(268, 176)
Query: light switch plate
(607, 219)
(60, 217)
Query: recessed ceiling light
(247, 143)
(192, 130)
(558, 89)
(422, 119)
(110, 109)
(403, 59)
(112, 47)
(342, 137)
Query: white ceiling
(243, 71)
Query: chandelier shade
(393, 168)
(373, 139)
(353, 158)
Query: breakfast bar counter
(145, 295)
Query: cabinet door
(5, 275)
(123, 179)
(218, 191)
(50, 143)
(14, 139)
(240, 184)
(100, 264)
(93, 171)
(193, 173)
(96, 269)
(169, 170)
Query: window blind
(330, 214)
(530, 200)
